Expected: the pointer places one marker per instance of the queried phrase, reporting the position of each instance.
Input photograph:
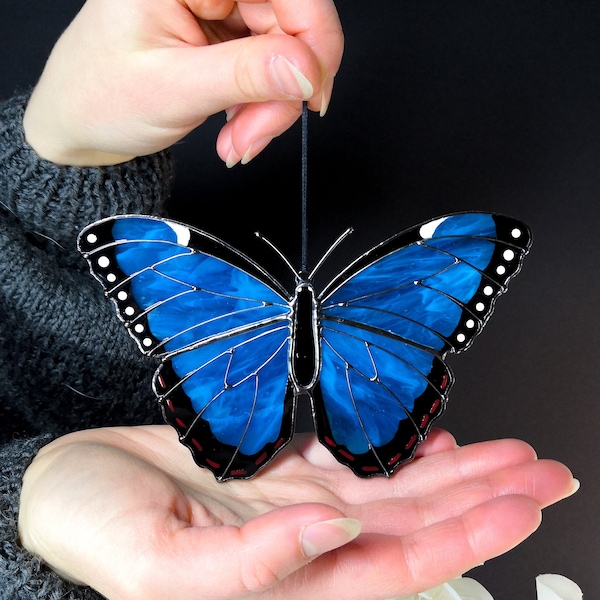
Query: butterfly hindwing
(387, 323)
(221, 327)
(377, 397)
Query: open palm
(126, 511)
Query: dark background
(442, 106)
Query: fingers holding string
(315, 23)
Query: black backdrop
(442, 106)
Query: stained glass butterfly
(237, 349)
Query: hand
(126, 511)
(131, 77)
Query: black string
(304, 261)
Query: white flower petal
(469, 589)
(557, 587)
(462, 588)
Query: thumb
(267, 75)
(261, 553)
(212, 78)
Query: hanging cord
(304, 262)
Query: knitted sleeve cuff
(58, 201)
(23, 576)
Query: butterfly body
(237, 350)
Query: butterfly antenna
(331, 249)
(277, 251)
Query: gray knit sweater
(66, 363)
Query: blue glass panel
(218, 276)
(206, 383)
(379, 411)
(405, 379)
(150, 288)
(251, 348)
(353, 351)
(364, 413)
(202, 331)
(143, 228)
(342, 416)
(135, 256)
(250, 411)
(268, 412)
(402, 325)
(435, 311)
(421, 360)
(460, 282)
(474, 251)
(230, 412)
(399, 268)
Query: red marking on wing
(161, 382)
(444, 382)
(261, 458)
(394, 459)
(197, 445)
(279, 443)
(213, 464)
(346, 454)
(329, 442)
(170, 405)
(180, 423)
(369, 469)
(434, 407)
(239, 473)
(411, 442)
(424, 421)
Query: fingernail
(231, 111)
(576, 486)
(255, 148)
(326, 96)
(232, 159)
(328, 535)
(290, 80)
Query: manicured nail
(290, 80)
(231, 111)
(326, 96)
(232, 159)
(255, 148)
(328, 535)
(576, 486)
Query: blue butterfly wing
(221, 327)
(389, 319)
